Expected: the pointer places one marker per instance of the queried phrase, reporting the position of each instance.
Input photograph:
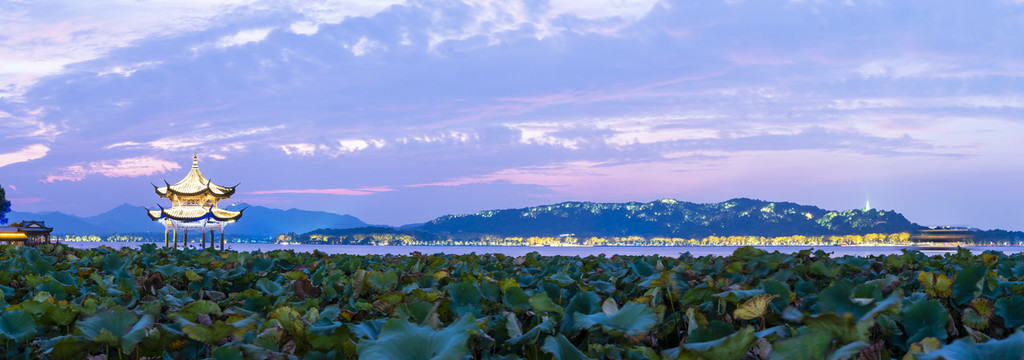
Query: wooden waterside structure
(28, 232)
(194, 207)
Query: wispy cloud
(336, 191)
(175, 143)
(130, 167)
(244, 37)
(28, 153)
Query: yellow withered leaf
(754, 307)
(936, 284)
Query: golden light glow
(8, 236)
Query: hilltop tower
(194, 207)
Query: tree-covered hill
(671, 218)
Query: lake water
(669, 251)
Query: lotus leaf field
(181, 304)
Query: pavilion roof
(195, 183)
(195, 213)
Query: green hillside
(671, 218)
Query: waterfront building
(28, 232)
(194, 208)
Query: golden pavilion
(194, 207)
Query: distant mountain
(671, 218)
(60, 222)
(264, 221)
(124, 218)
(256, 221)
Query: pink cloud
(338, 191)
(131, 167)
(28, 200)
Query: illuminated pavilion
(194, 207)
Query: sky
(400, 112)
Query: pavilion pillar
(175, 231)
(184, 240)
(213, 240)
(202, 244)
(221, 239)
(166, 240)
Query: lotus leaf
(465, 297)
(926, 318)
(633, 319)
(117, 327)
(935, 284)
(531, 337)
(401, 340)
(839, 298)
(735, 296)
(780, 290)
(17, 325)
(382, 281)
(1011, 309)
(1009, 348)
(584, 303)
(541, 302)
(209, 333)
(561, 349)
(754, 307)
(849, 351)
(732, 347)
(968, 283)
(812, 346)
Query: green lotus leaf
(744, 253)
(17, 325)
(821, 268)
(926, 318)
(562, 279)
(382, 281)
(465, 298)
(734, 346)
(226, 353)
(402, 340)
(117, 327)
(541, 302)
(60, 316)
(839, 298)
(530, 337)
(586, 303)
(202, 307)
(561, 349)
(735, 296)
(209, 334)
(1009, 348)
(849, 351)
(968, 283)
(774, 287)
(632, 319)
(1011, 309)
(516, 299)
(844, 328)
(64, 347)
(642, 268)
(813, 346)
(269, 287)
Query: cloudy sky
(400, 112)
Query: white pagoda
(194, 207)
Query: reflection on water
(670, 251)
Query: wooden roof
(194, 184)
(195, 213)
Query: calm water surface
(670, 251)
